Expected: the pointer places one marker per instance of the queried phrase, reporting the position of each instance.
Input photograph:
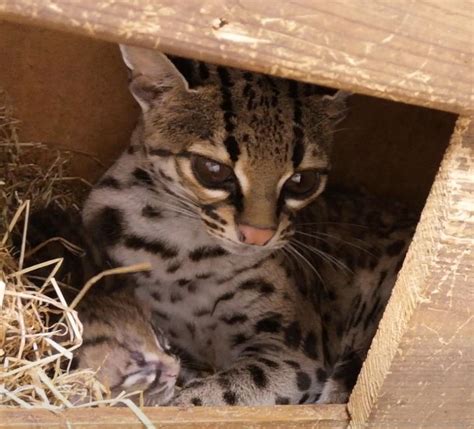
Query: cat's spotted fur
(128, 353)
(286, 321)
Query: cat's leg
(278, 376)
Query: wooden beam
(285, 417)
(420, 369)
(418, 52)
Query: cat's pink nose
(258, 236)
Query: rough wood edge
(220, 42)
(412, 284)
(287, 417)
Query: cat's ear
(153, 74)
(335, 105)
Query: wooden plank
(420, 369)
(419, 52)
(284, 417)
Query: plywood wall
(72, 91)
(67, 91)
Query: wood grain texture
(419, 52)
(284, 417)
(420, 370)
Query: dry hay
(39, 330)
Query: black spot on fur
(321, 375)
(209, 211)
(325, 343)
(292, 363)
(293, 335)
(224, 297)
(156, 296)
(153, 246)
(259, 285)
(151, 212)
(94, 341)
(173, 267)
(258, 376)
(303, 381)
(196, 401)
(191, 327)
(267, 362)
(309, 346)
(303, 399)
(107, 227)
(298, 154)
(201, 312)
(224, 76)
(142, 176)
(223, 381)
(183, 282)
(165, 176)
(239, 339)
(175, 297)
(234, 319)
(201, 253)
(373, 313)
(271, 324)
(109, 182)
(236, 197)
(230, 398)
(160, 315)
(348, 372)
(213, 225)
(161, 152)
(203, 276)
(282, 400)
(232, 148)
(252, 350)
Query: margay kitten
(269, 292)
(128, 353)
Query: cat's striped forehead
(262, 117)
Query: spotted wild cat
(268, 290)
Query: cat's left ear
(335, 105)
(153, 75)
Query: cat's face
(243, 150)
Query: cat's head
(246, 150)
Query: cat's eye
(302, 183)
(210, 173)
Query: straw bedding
(39, 330)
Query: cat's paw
(162, 389)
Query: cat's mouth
(242, 249)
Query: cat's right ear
(153, 75)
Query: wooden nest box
(72, 89)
